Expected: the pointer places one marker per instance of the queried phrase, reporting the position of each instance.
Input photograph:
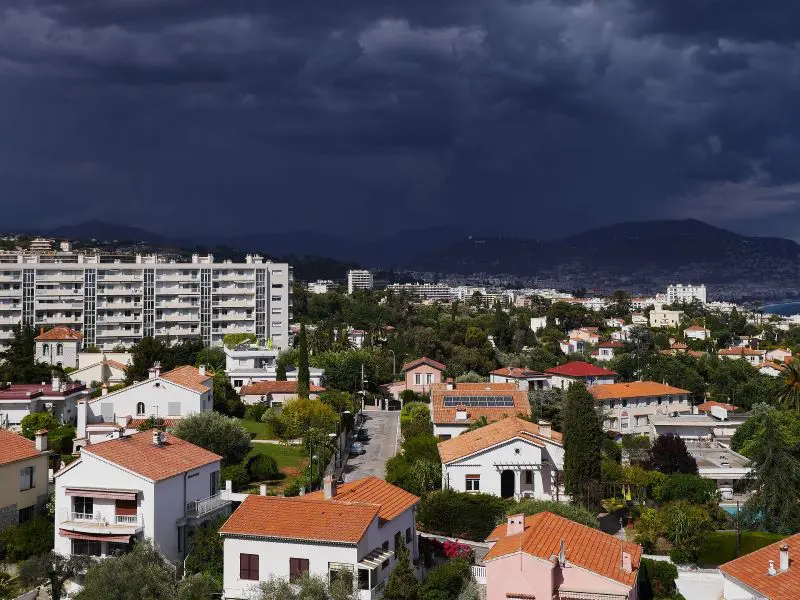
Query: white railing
(98, 519)
(198, 508)
(479, 574)
(127, 519)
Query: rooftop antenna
(561, 555)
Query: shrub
(447, 580)
(60, 440)
(682, 486)
(421, 447)
(658, 579)
(572, 512)
(237, 474)
(461, 514)
(254, 412)
(36, 421)
(18, 542)
(217, 433)
(262, 467)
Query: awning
(375, 558)
(124, 539)
(103, 494)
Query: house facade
(565, 375)
(510, 458)
(60, 398)
(59, 346)
(717, 424)
(666, 318)
(352, 530)
(456, 406)
(547, 556)
(696, 333)
(607, 350)
(246, 364)
(274, 393)
(754, 357)
(420, 374)
(627, 407)
(526, 379)
(23, 477)
(147, 485)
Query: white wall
(86, 359)
(68, 358)
(734, 590)
(451, 430)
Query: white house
(146, 485)
(626, 407)
(95, 368)
(696, 332)
(59, 346)
(169, 396)
(754, 357)
(606, 350)
(456, 406)
(352, 530)
(565, 375)
(638, 319)
(572, 345)
(526, 379)
(510, 458)
(765, 574)
(666, 318)
(538, 323)
(716, 461)
(779, 355)
(18, 400)
(356, 337)
(246, 364)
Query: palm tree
(789, 392)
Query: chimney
(329, 487)
(461, 413)
(627, 566)
(55, 384)
(41, 446)
(82, 420)
(202, 370)
(784, 558)
(151, 373)
(545, 429)
(41, 330)
(515, 524)
(156, 437)
(695, 410)
(771, 570)
(104, 389)
(262, 489)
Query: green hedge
(459, 514)
(568, 511)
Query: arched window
(59, 349)
(45, 349)
(140, 409)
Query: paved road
(382, 428)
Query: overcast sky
(526, 117)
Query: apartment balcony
(199, 508)
(119, 291)
(71, 277)
(12, 278)
(101, 524)
(117, 332)
(113, 277)
(179, 303)
(178, 276)
(58, 320)
(178, 331)
(232, 289)
(8, 320)
(119, 305)
(479, 574)
(227, 330)
(233, 277)
(10, 293)
(119, 319)
(60, 303)
(233, 317)
(179, 317)
(231, 303)
(6, 335)
(175, 290)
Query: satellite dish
(162, 438)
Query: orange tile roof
(424, 360)
(706, 406)
(695, 328)
(138, 454)
(740, 352)
(442, 414)
(135, 423)
(59, 333)
(517, 373)
(491, 435)
(611, 344)
(262, 388)
(391, 500)
(188, 377)
(751, 570)
(587, 548)
(14, 447)
(635, 389)
(301, 519)
(773, 365)
(115, 364)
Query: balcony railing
(479, 574)
(197, 508)
(98, 519)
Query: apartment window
(86, 548)
(276, 298)
(277, 286)
(248, 567)
(139, 409)
(297, 568)
(27, 478)
(473, 483)
(83, 506)
(408, 535)
(624, 404)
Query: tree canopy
(217, 433)
(583, 440)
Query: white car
(357, 448)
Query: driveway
(382, 445)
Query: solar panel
(479, 401)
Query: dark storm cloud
(382, 115)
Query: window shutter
(33, 476)
(293, 569)
(174, 409)
(22, 473)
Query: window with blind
(472, 483)
(297, 568)
(248, 567)
(27, 478)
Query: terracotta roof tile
(708, 404)
(751, 570)
(635, 389)
(579, 368)
(115, 364)
(14, 447)
(188, 377)
(372, 490)
(517, 373)
(262, 388)
(585, 547)
(424, 360)
(611, 344)
(138, 454)
(740, 352)
(441, 414)
(135, 423)
(491, 435)
(59, 333)
(301, 518)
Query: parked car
(362, 435)
(357, 449)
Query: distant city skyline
(533, 117)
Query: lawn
(291, 460)
(262, 430)
(721, 545)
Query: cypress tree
(583, 440)
(303, 375)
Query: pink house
(548, 557)
(421, 373)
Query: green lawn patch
(262, 431)
(291, 461)
(720, 547)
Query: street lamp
(394, 369)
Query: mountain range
(652, 248)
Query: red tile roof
(188, 377)
(14, 447)
(301, 519)
(579, 368)
(751, 570)
(25, 391)
(740, 352)
(611, 344)
(135, 423)
(517, 373)
(490, 435)
(587, 548)
(635, 389)
(263, 388)
(115, 364)
(59, 333)
(423, 361)
(443, 415)
(708, 404)
(392, 500)
(695, 328)
(138, 454)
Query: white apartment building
(358, 279)
(116, 300)
(666, 318)
(321, 286)
(147, 485)
(424, 291)
(679, 293)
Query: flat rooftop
(711, 455)
(27, 391)
(690, 420)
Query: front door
(507, 484)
